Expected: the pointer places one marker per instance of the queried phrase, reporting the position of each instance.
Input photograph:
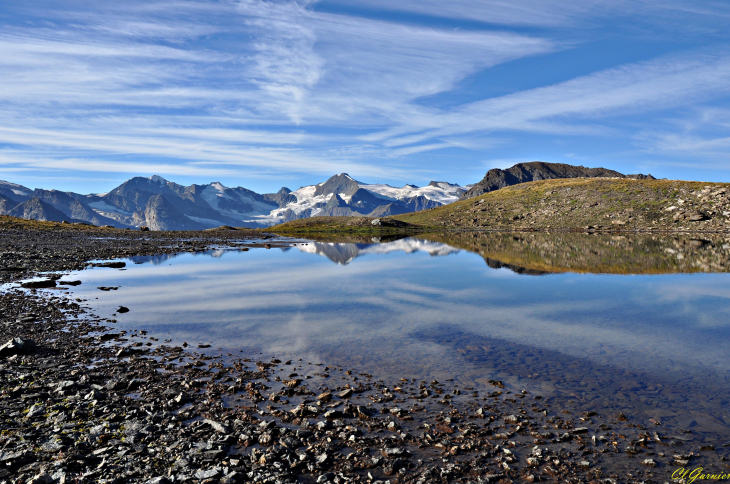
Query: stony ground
(89, 402)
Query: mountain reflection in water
(533, 253)
(345, 253)
(542, 253)
(428, 307)
(596, 253)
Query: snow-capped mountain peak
(218, 186)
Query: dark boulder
(39, 284)
(17, 346)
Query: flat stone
(36, 409)
(208, 474)
(218, 427)
(157, 480)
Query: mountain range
(164, 205)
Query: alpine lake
(637, 325)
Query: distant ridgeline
(162, 205)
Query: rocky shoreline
(91, 402)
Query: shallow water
(652, 346)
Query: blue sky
(265, 94)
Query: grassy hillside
(8, 222)
(588, 204)
(313, 226)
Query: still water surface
(654, 346)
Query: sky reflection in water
(427, 310)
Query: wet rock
(122, 310)
(395, 452)
(46, 283)
(17, 346)
(648, 463)
(113, 265)
(293, 383)
(334, 413)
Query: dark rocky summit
(282, 197)
(538, 170)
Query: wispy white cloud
(686, 143)
(655, 85)
(322, 67)
(554, 13)
(550, 13)
(86, 165)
